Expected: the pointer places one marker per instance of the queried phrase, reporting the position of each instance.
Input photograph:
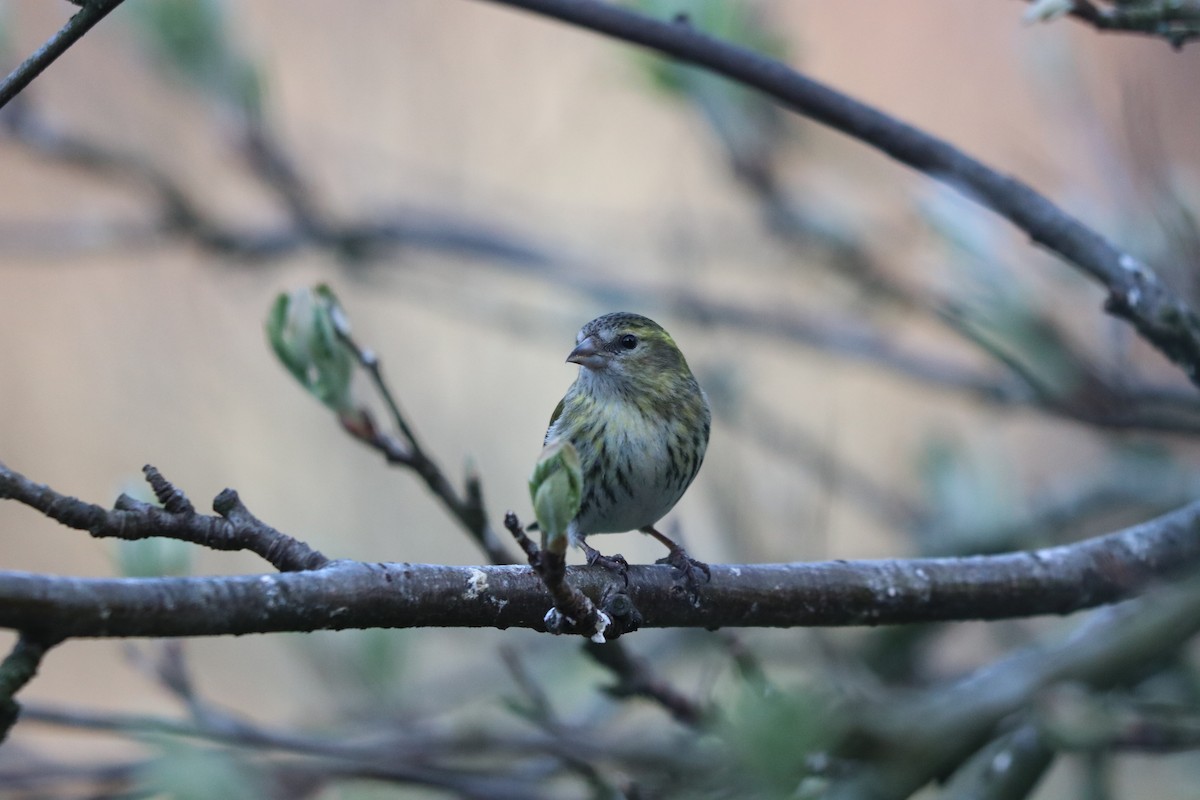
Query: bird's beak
(589, 354)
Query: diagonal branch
(1135, 293)
(16, 670)
(91, 12)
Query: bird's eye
(628, 341)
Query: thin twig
(92, 12)
(636, 679)
(573, 612)
(468, 508)
(235, 529)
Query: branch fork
(573, 611)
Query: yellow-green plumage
(638, 420)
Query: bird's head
(628, 349)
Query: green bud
(556, 487)
(302, 328)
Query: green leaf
(302, 327)
(556, 487)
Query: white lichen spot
(1133, 297)
(1129, 263)
(737, 571)
(500, 603)
(1002, 762)
(477, 584)
(891, 591)
(270, 587)
(602, 623)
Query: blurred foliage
(153, 557)
(746, 123)
(967, 498)
(193, 39)
(182, 771)
(363, 671)
(775, 735)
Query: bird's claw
(687, 566)
(614, 563)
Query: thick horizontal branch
(348, 594)
(1135, 293)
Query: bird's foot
(614, 563)
(689, 568)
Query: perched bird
(640, 424)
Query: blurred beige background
(116, 355)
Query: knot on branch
(171, 498)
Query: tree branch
(1177, 21)
(347, 594)
(92, 11)
(17, 669)
(235, 529)
(1135, 293)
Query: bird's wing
(558, 409)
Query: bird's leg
(678, 558)
(615, 563)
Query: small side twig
(573, 612)
(406, 450)
(17, 669)
(636, 679)
(235, 529)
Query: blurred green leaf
(775, 734)
(967, 499)
(184, 772)
(556, 487)
(192, 37)
(361, 669)
(154, 557)
(302, 328)
(991, 301)
(744, 121)
(739, 23)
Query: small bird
(640, 424)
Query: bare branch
(346, 594)
(17, 669)
(91, 12)
(1112, 648)
(235, 529)
(1177, 21)
(1135, 293)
